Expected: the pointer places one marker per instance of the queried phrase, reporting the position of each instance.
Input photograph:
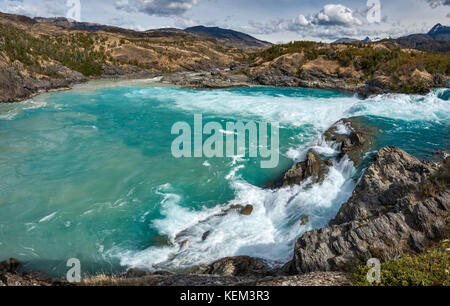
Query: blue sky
(272, 20)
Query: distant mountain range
(437, 40)
(229, 37)
(347, 40)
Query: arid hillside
(39, 54)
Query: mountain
(437, 40)
(232, 38)
(440, 32)
(346, 40)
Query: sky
(271, 20)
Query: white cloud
(336, 14)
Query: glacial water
(89, 174)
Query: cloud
(332, 16)
(336, 14)
(44, 8)
(164, 8)
(436, 3)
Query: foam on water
(268, 233)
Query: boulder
(247, 210)
(313, 167)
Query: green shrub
(431, 268)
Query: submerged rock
(161, 241)
(391, 211)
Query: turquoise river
(89, 174)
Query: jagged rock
(356, 142)
(313, 167)
(393, 175)
(388, 214)
(247, 210)
(238, 266)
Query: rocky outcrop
(224, 78)
(16, 84)
(353, 137)
(314, 167)
(400, 205)
(11, 275)
(238, 266)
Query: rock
(238, 266)
(161, 241)
(386, 216)
(313, 167)
(304, 220)
(184, 244)
(394, 175)
(135, 273)
(9, 266)
(356, 142)
(247, 210)
(205, 235)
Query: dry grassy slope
(159, 50)
(50, 54)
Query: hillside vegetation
(401, 70)
(431, 268)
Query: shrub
(431, 268)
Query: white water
(273, 227)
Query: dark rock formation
(400, 205)
(356, 142)
(313, 167)
(16, 86)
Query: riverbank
(217, 79)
